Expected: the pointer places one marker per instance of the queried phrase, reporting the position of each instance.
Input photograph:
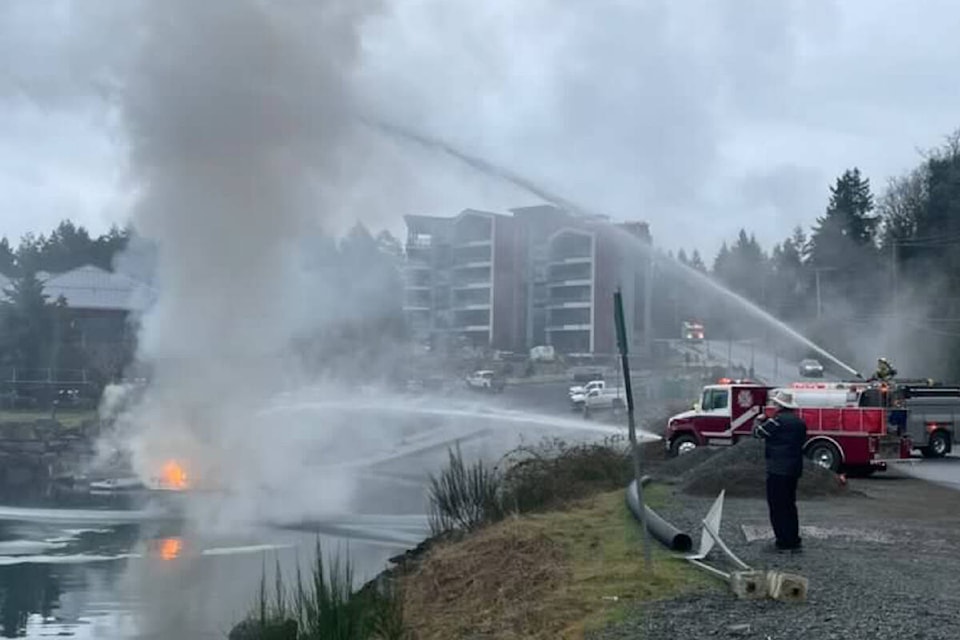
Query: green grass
(604, 544)
(69, 418)
(556, 574)
(323, 606)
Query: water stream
(491, 169)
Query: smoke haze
(240, 130)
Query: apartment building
(510, 282)
(460, 279)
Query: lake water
(88, 567)
(85, 566)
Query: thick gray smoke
(240, 126)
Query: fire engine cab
(840, 432)
(692, 331)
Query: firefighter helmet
(785, 399)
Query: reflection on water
(155, 577)
(130, 565)
(24, 590)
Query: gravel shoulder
(882, 563)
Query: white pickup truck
(578, 394)
(603, 399)
(596, 395)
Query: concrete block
(748, 585)
(786, 587)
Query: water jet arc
(490, 169)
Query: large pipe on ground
(663, 531)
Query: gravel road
(883, 563)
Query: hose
(665, 533)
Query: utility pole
(819, 305)
(647, 306)
(623, 345)
(816, 272)
(894, 286)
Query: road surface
(943, 471)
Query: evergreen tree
(29, 255)
(25, 323)
(697, 262)
(682, 257)
(68, 247)
(8, 258)
(843, 243)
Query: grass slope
(547, 575)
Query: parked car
(485, 381)
(811, 368)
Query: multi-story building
(540, 276)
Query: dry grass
(550, 575)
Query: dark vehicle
(811, 368)
(925, 411)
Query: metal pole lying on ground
(632, 425)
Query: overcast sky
(699, 116)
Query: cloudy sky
(699, 116)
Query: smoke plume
(239, 119)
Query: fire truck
(692, 331)
(923, 411)
(840, 432)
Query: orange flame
(170, 548)
(173, 475)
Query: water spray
(491, 169)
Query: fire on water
(173, 476)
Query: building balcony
(474, 264)
(583, 282)
(470, 306)
(472, 328)
(571, 260)
(479, 284)
(466, 244)
(412, 286)
(570, 327)
(416, 266)
(569, 304)
(416, 308)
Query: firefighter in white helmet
(884, 370)
(784, 434)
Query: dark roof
(90, 287)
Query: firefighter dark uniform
(884, 370)
(784, 436)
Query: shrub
(553, 472)
(323, 606)
(464, 497)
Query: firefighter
(784, 435)
(884, 370)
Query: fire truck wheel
(682, 444)
(824, 454)
(939, 444)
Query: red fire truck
(840, 433)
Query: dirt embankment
(740, 470)
(550, 575)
